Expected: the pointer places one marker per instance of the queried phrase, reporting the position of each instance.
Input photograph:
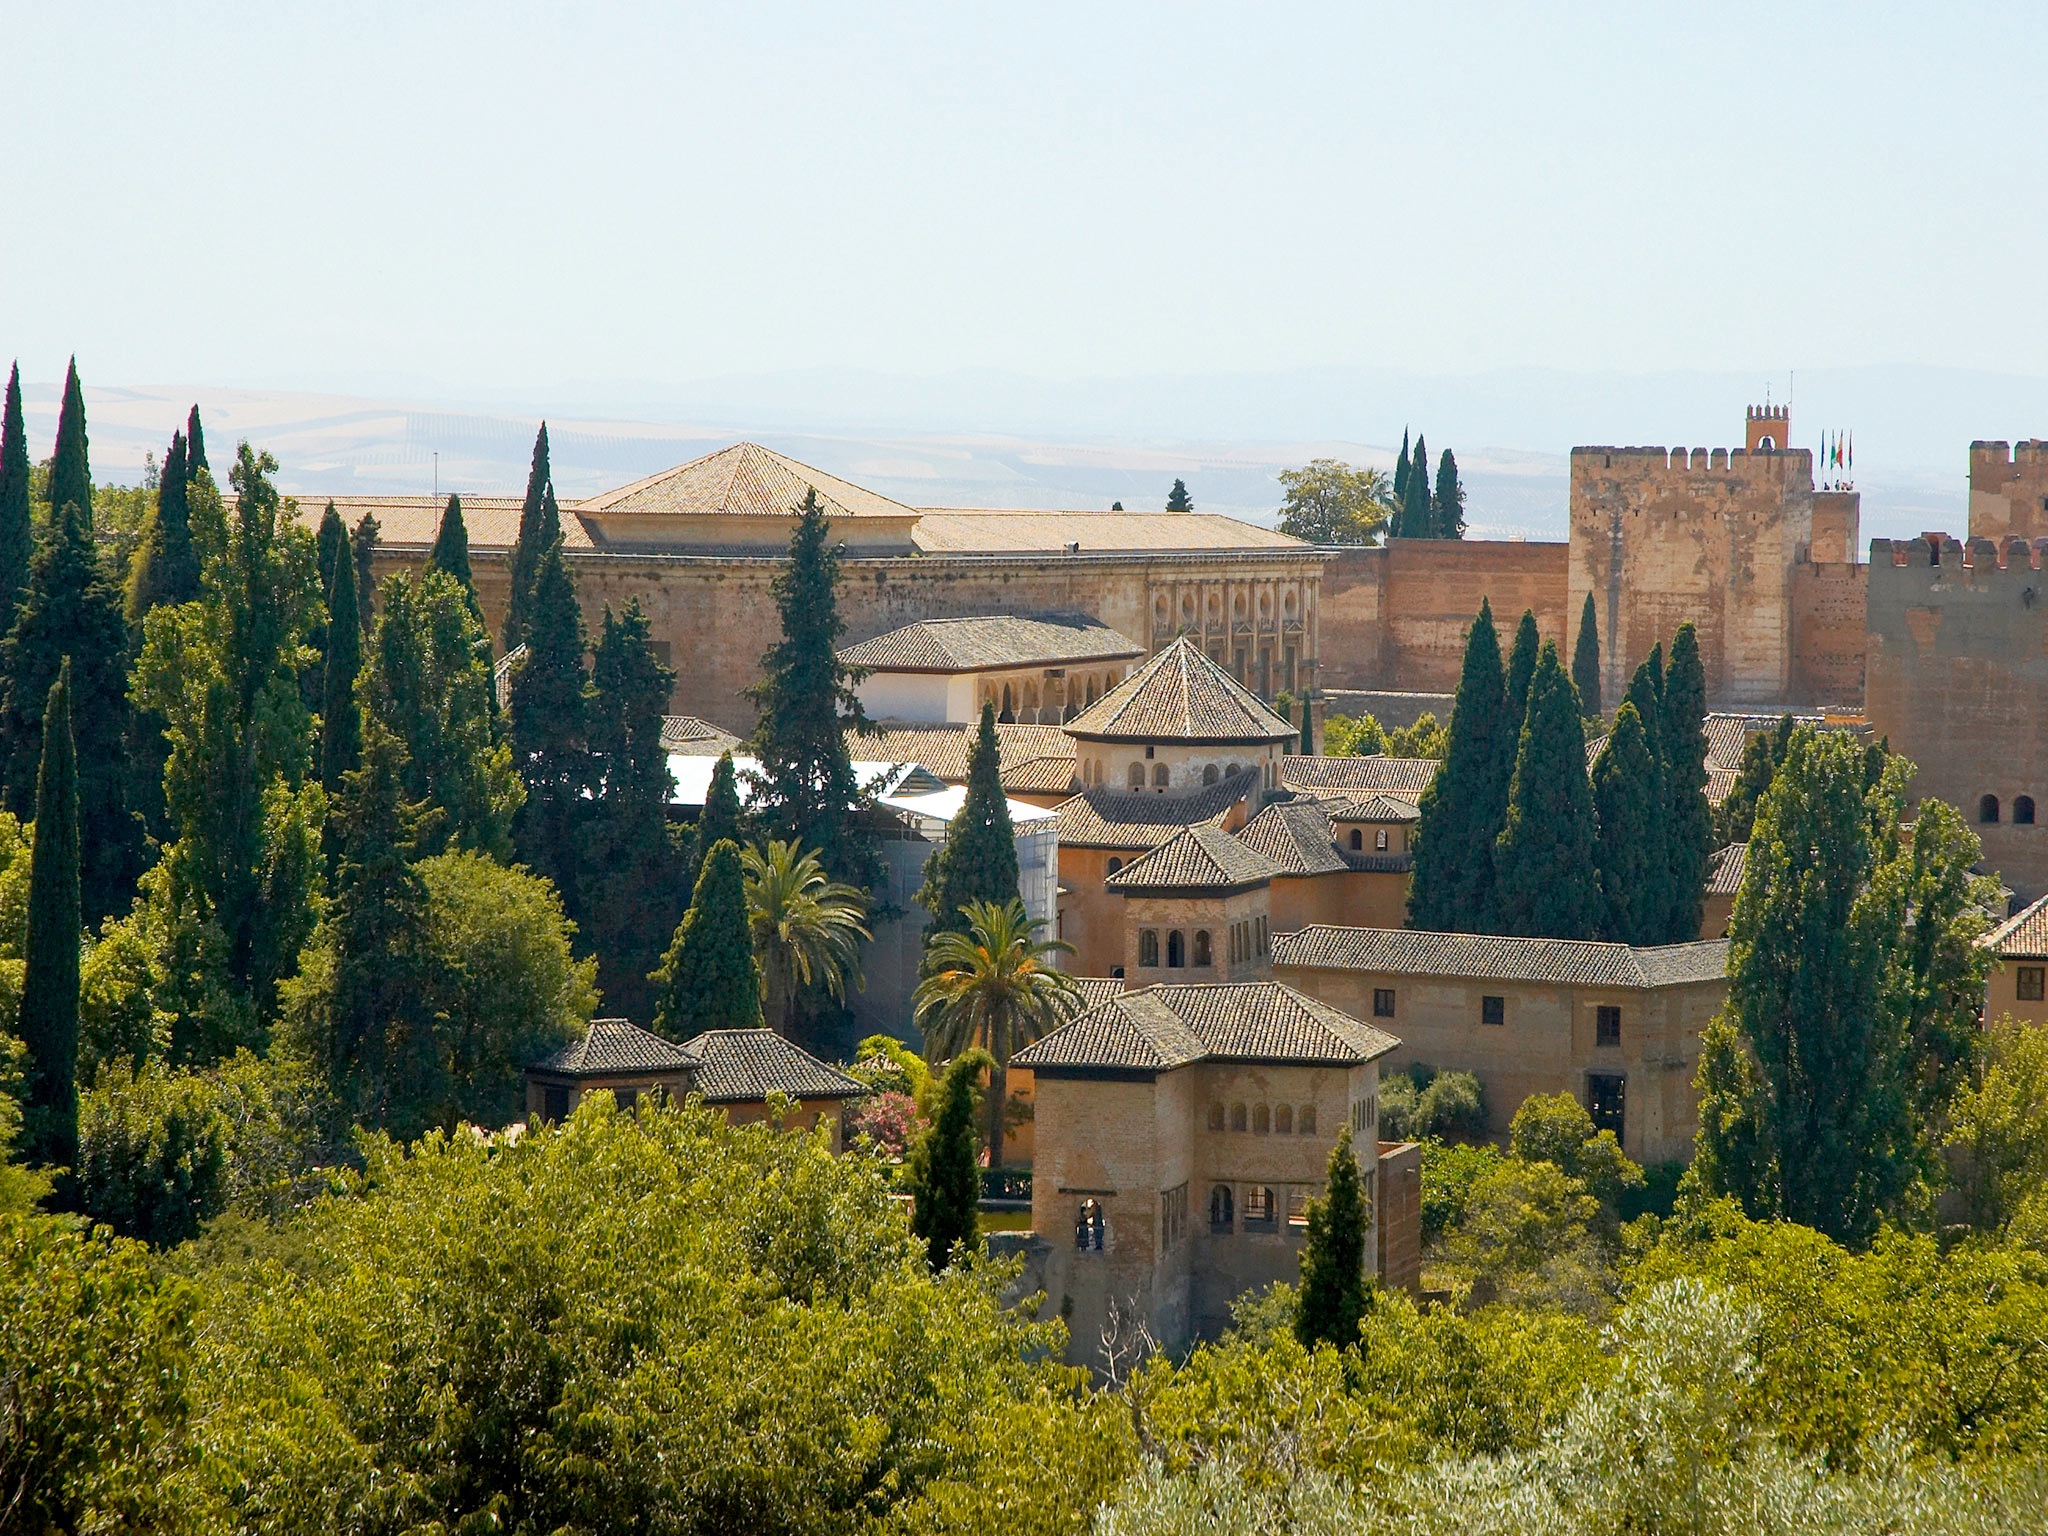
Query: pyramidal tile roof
(1101, 817)
(744, 1065)
(1295, 836)
(1199, 858)
(614, 1045)
(1180, 695)
(1164, 1027)
(1371, 806)
(1491, 957)
(745, 480)
(2022, 937)
(999, 640)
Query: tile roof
(697, 738)
(944, 748)
(1202, 858)
(410, 522)
(1406, 777)
(969, 530)
(1725, 877)
(1371, 807)
(614, 1046)
(1180, 695)
(1295, 836)
(1164, 1027)
(1041, 776)
(745, 480)
(1094, 991)
(998, 640)
(2024, 937)
(745, 1065)
(1101, 817)
(1488, 957)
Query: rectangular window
(1493, 1010)
(627, 1098)
(2031, 981)
(1606, 1026)
(1173, 1215)
(663, 651)
(1605, 1101)
(1258, 1207)
(1297, 1205)
(1379, 840)
(554, 1104)
(1383, 1002)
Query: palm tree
(996, 987)
(807, 927)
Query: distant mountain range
(1005, 440)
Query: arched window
(1357, 840)
(1202, 955)
(1176, 950)
(1089, 1227)
(1216, 1116)
(1987, 808)
(1007, 714)
(1209, 774)
(1148, 947)
(1221, 1212)
(1136, 776)
(1379, 840)
(2023, 810)
(1306, 1123)
(1115, 864)
(1258, 1206)
(1159, 775)
(1283, 1120)
(1237, 1120)
(1262, 1121)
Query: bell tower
(1769, 429)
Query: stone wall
(1957, 680)
(2009, 490)
(1399, 1215)
(1829, 624)
(1397, 617)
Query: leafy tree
(1555, 1128)
(1521, 670)
(1586, 661)
(635, 874)
(1330, 502)
(363, 550)
(17, 542)
(1761, 756)
(1463, 809)
(710, 978)
(450, 554)
(994, 988)
(1423, 1102)
(540, 529)
(1548, 883)
(331, 539)
(1177, 499)
(807, 928)
(153, 1153)
(1334, 1295)
(1448, 504)
(49, 989)
(1998, 1134)
(808, 795)
(1628, 853)
(978, 861)
(341, 719)
(195, 442)
(720, 818)
(1528, 1237)
(548, 742)
(1415, 520)
(945, 1182)
(1689, 828)
(166, 564)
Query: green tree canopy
(1177, 499)
(1401, 468)
(1586, 660)
(1628, 807)
(450, 554)
(978, 861)
(17, 541)
(1415, 519)
(945, 1181)
(70, 483)
(807, 929)
(1447, 505)
(549, 746)
(1548, 882)
(1689, 826)
(721, 817)
(1329, 502)
(341, 718)
(710, 978)
(1334, 1295)
(166, 564)
(363, 550)
(1464, 805)
(49, 988)
(1761, 756)
(540, 529)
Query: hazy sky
(502, 196)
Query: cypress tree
(1653, 904)
(1333, 1296)
(195, 443)
(165, 568)
(1515, 693)
(1401, 471)
(341, 721)
(451, 553)
(636, 870)
(49, 988)
(1549, 883)
(70, 469)
(1586, 661)
(547, 731)
(721, 815)
(17, 544)
(709, 978)
(1689, 825)
(333, 536)
(945, 1179)
(1449, 502)
(363, 548)
(540, 525)
(1627, 800)
(1177, 500)
(1308, 728)
(1413, 520)
(1452, 885)
(978, 861)
(808, 793)
(1762, 755)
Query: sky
(611, 207)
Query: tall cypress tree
(1414, 519)
(1586, 661)
(540, 526)
(1652, 904)
(363, 548)
(945, 1176)
(1549, 882)
(165, 568)
(333, 536)
(1452, 885)
(1333, 1297)
(808, 794)
(17, 544)
(1689, 827)
(1628, 802)
(341, 721)
(548, 741)
(635, 866)
(1448, 506)
(979, 859)
(709, 978)
(70, 468)
(1515, 693)
(195, 443)
(1401, 471)
(49, 987)
(451, 548)
(1177, 499)
(721, 817)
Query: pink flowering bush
(890, 1120)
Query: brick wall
(1396, 617)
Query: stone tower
(1770, 428)
(2009, 490)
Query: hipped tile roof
(1371, 808)
(1180, 695)
(614, 1046)
(1102, 817)
(697, 738)
(977, 531)
(1406, 777)
(1295, 836)
(1202, 858)
(411, 522)
(745, 480)
(1000, 640)
(1725, 878)
(2023, 937)
(1165, 1027)
(1020, 749)
(729, 1066)
(1490, 957)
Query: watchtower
(1770, 428)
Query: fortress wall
(1957, 679)
(1829, 620)
(1396, 618)
(2009, 489)
(1837, 522)
(1662, 536)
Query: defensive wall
(1957, 680)
(2009, 490)
(1396, 617)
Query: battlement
(1997, 453)
(1735, 461)
(1777, 415)
(1980, 557)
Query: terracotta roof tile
(1204, 858)
(696, 738)
(1125, 819)
(1406, 777)
(968, 530)
(1295, 836)
(1000, 640)
(2024, 937)
(1180, 695)
(410, 522)
(1725, 877)
(1164, 1027)
(744, 1065)
(1487, 957)
(745, 480)
(612, 1046)
(944, 749)
(1371, 807)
